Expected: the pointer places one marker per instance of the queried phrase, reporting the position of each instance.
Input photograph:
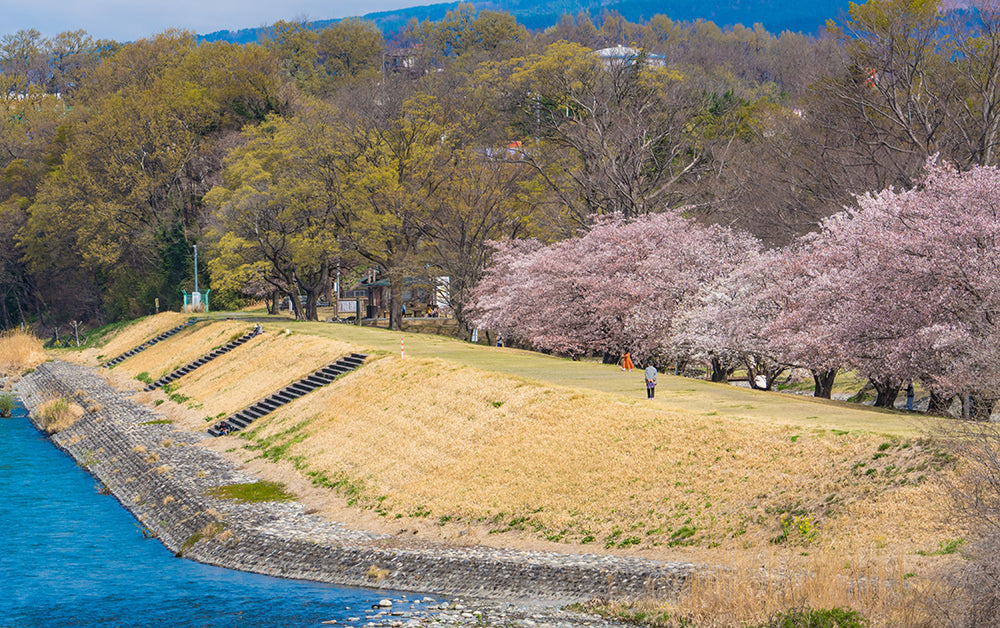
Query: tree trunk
(720, 373)
(939, 403)
(293, 299)
(887, 390)
(771, 375)
(823, 382)
(311, 313)
(758, 365)
(272, 303)
(751, 373)
(981, 407)
(395, 303)
(38, 311)
(20, 312)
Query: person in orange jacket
(627, 362)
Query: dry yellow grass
(57, 414)
(19, 351)
(254, 370)
(133, 335)
(756, 589)
(169, 355)
(425, 441)
(429, 438)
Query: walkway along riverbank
(163, 477)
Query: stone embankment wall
(163, 476)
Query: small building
(625, 55)
(406, 61)
(376, 298)
(420, 297)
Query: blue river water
(70, 556)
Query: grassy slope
(673, 393)
(572, 451)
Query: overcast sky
(128, 20)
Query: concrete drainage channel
(162, 476)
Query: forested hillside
(318, 152)
(774, 15)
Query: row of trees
(321, 157)
(328, 186)
(901, 287)
(318, 151)
(102, 188)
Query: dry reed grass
(429, 438)
(19, 351)
(58, 414)
(756, 589)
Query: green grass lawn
(673, 393)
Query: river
(70, 556)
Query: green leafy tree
(280, 207)
(295, 47)
(464, 30)
(350, 49)
(23, 60)
(72, 56)
(138, 158)
(390, 185)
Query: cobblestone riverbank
(163, 478)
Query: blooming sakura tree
(801, 291)
(616, 288)
(728, 320)
(905, 286)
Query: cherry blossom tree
(727, 322)
(616, 288)
(904, 286)
(800, 330)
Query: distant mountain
(389, 21)
(806, 16)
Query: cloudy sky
(127, 20)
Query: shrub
(6, 404)
(817, 618)
(974, 583)
(55, 415)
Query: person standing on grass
(627, 362)
(650, 381)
